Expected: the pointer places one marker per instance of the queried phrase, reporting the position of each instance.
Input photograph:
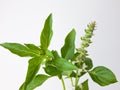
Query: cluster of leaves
(72, 63)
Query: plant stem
(63, 84)
(77, 79)
(72, 82)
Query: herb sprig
(73, 63)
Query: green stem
(63, 84)
(77, 79)
(72, 82)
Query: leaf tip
(50, 15)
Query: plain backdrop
(22, 21)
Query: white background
(22, 21)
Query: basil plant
(72, 63)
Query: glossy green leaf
(52, 70)
(46, 33)
(19, 49)
(88, 63)
(64, 65)
(37, 81)
(102, 75)
(33, 67)
(67, 51)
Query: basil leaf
(83, 86)
(102, 75)
(52, 70)
(55, 54)
(67, 51)
(19, 49)
(22, 87)
(67, 73)
(78, 88)
(37, 81)
(64, 65)
(73, 74)
(49, 53)
(33, 67)
(46, 33)
(88, 63)
(32, 47)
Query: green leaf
(83, 86)
(78, 88)
(102, 75)
(75, 56)
(67, 51)
(52, 70)
(33, 67)
(67, 73)
(37, 81)
(46, 33)
(55, 54)
(64, 65)
(19, 49)
(88, 63)
(49, 53)
(22, 87)
(34, 48)
(73, 74)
